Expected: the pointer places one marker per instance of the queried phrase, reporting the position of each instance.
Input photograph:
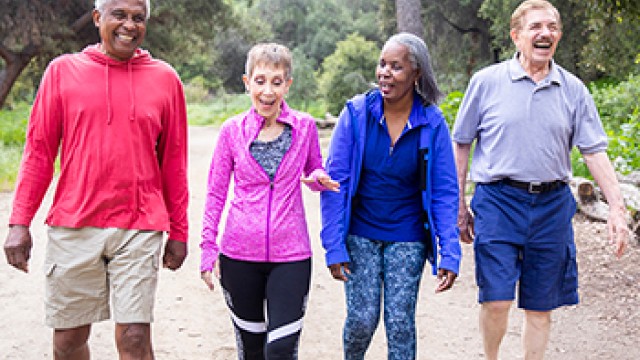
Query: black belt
(533, 187)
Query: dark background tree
(38, 30)
(409, 17)
(207, 40)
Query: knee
(134, 339)
(496, 308)
(69, 342)
(360, 327)
(538, 319)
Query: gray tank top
(269, 154)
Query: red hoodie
(121, 128)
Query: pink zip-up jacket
(266, 220)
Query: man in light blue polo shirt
(525, 115)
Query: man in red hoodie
(118, 119)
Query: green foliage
(13, 125)
(620, 113)
(450, 105)
(218, 109)
(9, 164)
(348, 71)
(304, 87)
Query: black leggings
(280, 290)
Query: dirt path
(192, 322)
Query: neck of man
(537, 71)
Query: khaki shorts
(87, 267)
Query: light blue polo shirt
(525, 131)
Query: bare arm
(461, 153)
(603, 173)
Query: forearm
(461, 154)
(605, 176)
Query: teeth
(125, 37)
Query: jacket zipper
(271, 189)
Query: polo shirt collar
(517, 72)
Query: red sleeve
(172, 155)
(44, 133)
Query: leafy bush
(13, 125)
(218, 109)
(450, 105)
(348, 71)
(620, 113)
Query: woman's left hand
(324, 180)
(446, 278)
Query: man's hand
(446, 278)
(618, 230)
(174, 254)
(465, 224)
(17, 247)
(340, 271)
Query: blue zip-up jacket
(344, 163)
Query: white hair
(99, 5)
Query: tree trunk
(15, 63)
(409, 17)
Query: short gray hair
(270, 54)
(99, 5)
(420, 59)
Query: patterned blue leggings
(390, 268)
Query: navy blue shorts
(525, 240)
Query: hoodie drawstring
(108, 97)
(132, 99)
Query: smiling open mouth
(125, 38)
(265, 102)
(542, 44)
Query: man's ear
(96, 17)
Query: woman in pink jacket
(265, 253)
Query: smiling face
(537, 37)
(267, 85)
(122, 25)
(395, 73)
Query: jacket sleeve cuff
(208, 258)
(450, 263)
(337, 256)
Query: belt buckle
(535, 187)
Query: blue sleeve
(334, 205)
(444, 199)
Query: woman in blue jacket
(398, 200)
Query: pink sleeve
(313, 168)
(217, 188)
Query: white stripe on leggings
(283, 331)
(250, 326)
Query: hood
(140, 57)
